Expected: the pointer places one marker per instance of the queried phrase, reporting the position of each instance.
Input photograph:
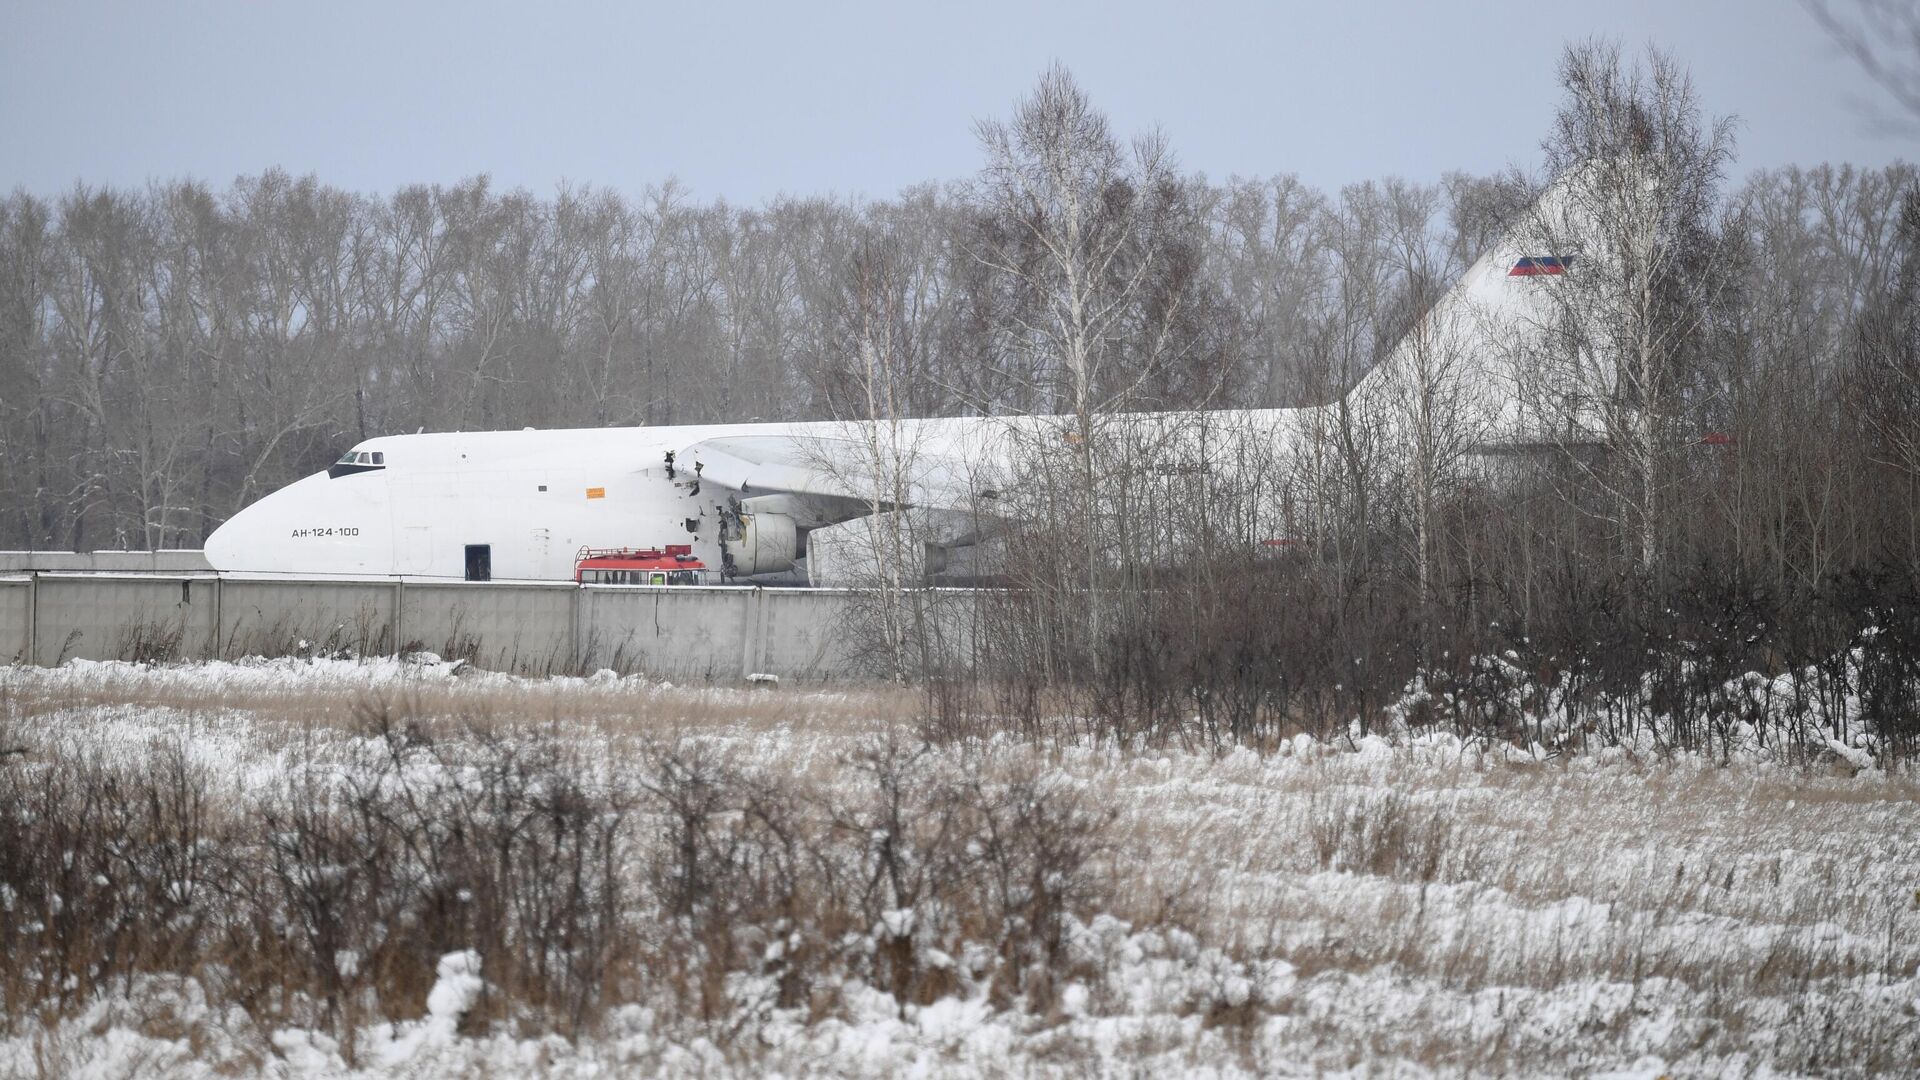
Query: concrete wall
(716, 633)
(280, 617)
(107, 617)
(685, 633)
(179, 561)
(16, 619)
(526, 628)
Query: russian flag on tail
(1536, 265)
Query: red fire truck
(671, 565)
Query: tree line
(1701, 529)
(169, 353)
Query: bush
(327, 900)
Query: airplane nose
(253, 539)
(223, 544)
(317, 525)
(228, 547)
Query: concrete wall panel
(523, 628)
(303, 617)
(114, 562)
(806, 634)
(16, 620)
(106, 617)
(676, 632)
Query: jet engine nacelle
(768, 544)
(849, 555)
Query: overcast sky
(749, 100)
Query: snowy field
(1412, 906)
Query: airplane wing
(828, 467)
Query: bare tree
(1638, 172)
(27, 254)
(1342, 442)
(1883, 37)
(874, 386)
(1077, 245)
(1886, 388)
(1269, 258)
(1435, 410)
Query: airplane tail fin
(1482, 353)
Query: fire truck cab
(671, 565)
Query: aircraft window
(357, 461)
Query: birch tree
(1077, 248)
(1431, 407)
(1639, 169)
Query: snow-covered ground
(1413, 906)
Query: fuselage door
(479, 562)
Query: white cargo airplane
(751, 500)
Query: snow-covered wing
(827, 466)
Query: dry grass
(1465, 910)
(607, 707)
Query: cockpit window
(358, 461)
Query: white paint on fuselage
(439, 493)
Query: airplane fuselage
(523, 504)
(531, 499)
